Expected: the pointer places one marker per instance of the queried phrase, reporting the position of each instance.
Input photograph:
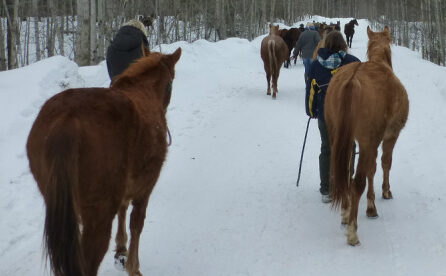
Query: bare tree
(2, 47)
(83, 41)
(12, 35)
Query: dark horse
(92, 151)
(349, 31)
(273, 52)
(367, 103)
(291, 37)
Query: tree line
(31, 30)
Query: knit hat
(310, 26)
(137, 24)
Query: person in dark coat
(129, 44)
(307, 43)
(330, 57)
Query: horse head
(273, 30)
(354, 21)
(378, 49)
(156, 68)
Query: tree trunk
(101, 30)
(36, 29)
(93, 38)
(83, 40)
(12, 32)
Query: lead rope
(302, 154)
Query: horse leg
(371, 208)
(345, 207)
(386, 162)
(275, 79)
(95, 238)
(136, 225)
(121, 236)
(268, 79)
(345, 210)
(356, 190)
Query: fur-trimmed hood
(137, 24)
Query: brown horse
(349, 31)
(274, 52)
(92, 151)
(291, 37)
(367, 103)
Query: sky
(226, 202)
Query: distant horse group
(365, 102)
(349, 31)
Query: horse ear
(369, 31)
(387, 29)
(173, 58)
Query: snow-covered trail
(226, 202)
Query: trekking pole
(302, 154)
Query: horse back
(281, 49)
(115, 139)
(380, 99)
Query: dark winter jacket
(319, 75)
(306, 43)
(125, 48)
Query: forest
(31, 30)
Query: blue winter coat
(319, 75)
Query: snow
(226, 202)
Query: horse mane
(138, 68)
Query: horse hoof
(372, 215)
(274, 96)
(268, 93)
(354, 243)
(120, 262)
(387, 195)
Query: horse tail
(61, 230)
(272, 57)
(343, 139)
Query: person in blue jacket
(331, 56)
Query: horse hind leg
(136, 225)
(356, 190)
(268, 80)
(345, 210)
(386, 162)
(371, 208)
(275, 80)
(121, 237)
(95, 238)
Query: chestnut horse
(367, 103)
(274, 53)
(92, 151)
(349, 31)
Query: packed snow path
(226, 202)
